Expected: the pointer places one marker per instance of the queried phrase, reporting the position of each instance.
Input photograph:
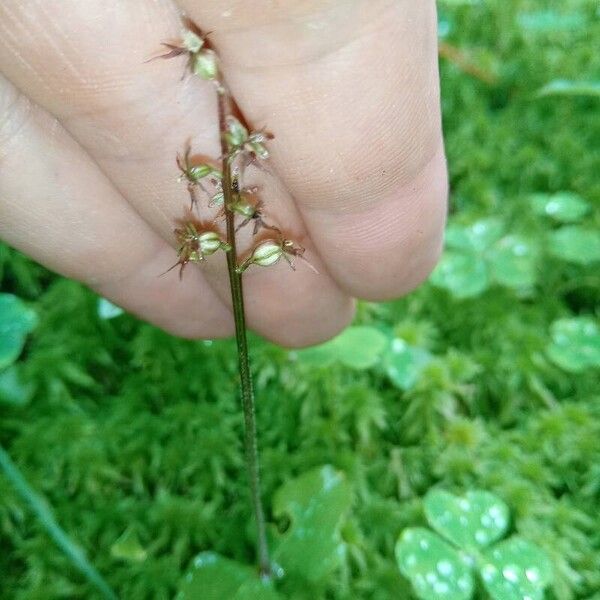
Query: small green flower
(202, 61)
(269, 251)
(196, 241)
(239, 140)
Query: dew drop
(481, 537)
(510, 573)
(488, 572)
(444, 567)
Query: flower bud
(197, 172)
(206, 65)
(267, 253)
(236, 135)
(210, 242)
(244, 208)
(192, 42)
(259, 149)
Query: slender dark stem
(237, 299)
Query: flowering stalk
(240, 147)
(230, 198)
(197, 240)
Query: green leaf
(565, 207)
(563, 87)
(214, 577)
(16, 321)
(403, 363)
(472, 521)
(128, 547)
(516, 569)
(357, 347)
(513, 263)
(205, 64)
(477, 237)
(321, 356)
(575, 344)
(12, 390)
(463, 275)
(315, 503)
(550, 21)
(108, 310)
(360, 347)
(576, 244)
(434, 568)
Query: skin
(89, 135)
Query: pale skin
(89, 135)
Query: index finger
(351, 91)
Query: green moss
(130, 430)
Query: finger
(56, 206)
(133, 118)
(350, 89)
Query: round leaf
(576, 244)
(474, 520)
(403, 363)
(516, 569)
(477, 237)
(316, 503)
(360, 347)
(513, 263)
(463, 275)
(213, 577)
(575, 344)
(433, 567)
(16, 321)
(357, 348)
(565, 207)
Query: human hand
(89, 134)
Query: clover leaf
(514, 569)
(214, 577)
(478, 256)
(565, 207)
(435, 569)
(477, 237)
(575, 244)
(403, 363)
(463, 275)
(315, 503)
(513, 262)
(357, 347)
(575, 344)
(473, 521)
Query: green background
(486, 377)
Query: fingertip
(387, 250)
(294, 331)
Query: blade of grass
(43, 512)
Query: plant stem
(58, 535)
(237, 300)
